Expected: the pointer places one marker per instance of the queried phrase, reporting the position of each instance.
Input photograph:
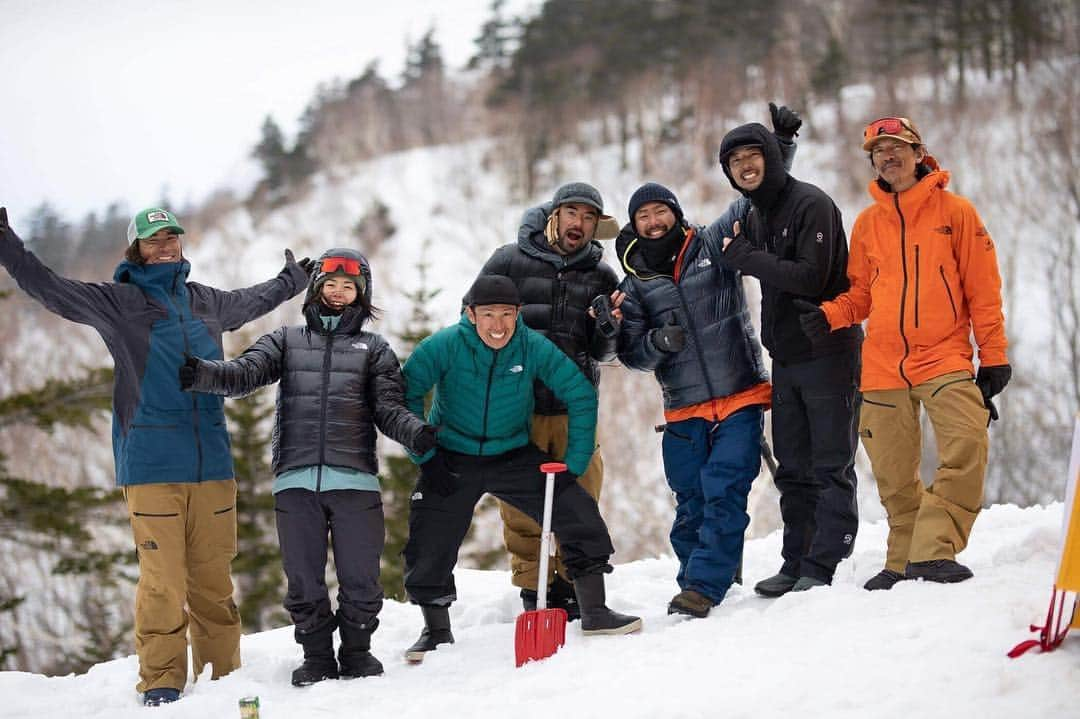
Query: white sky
(118, 99)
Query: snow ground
(919, 650)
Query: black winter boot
(319, 662)
(528, 600)
(436, 632)
(596, 618)
(354, 655)
(945, 571)
(561, 596)
(885, 579)
(777, 585)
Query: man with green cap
(170, 447)
(558, 269)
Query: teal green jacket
(483, 398)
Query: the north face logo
(704, 262)
(359, 346)
(157, 216)
(148, 545)
(943, 229)
(516, 368)
(417, 496)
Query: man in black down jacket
(793, 241)
(557, 267)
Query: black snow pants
(353, 519)
(437, 524)
(815, 422)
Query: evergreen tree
(271, 154)
(399, 475)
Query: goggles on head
(348, 265)
(898, 127)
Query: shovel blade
(539, 634)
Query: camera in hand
(605, 321)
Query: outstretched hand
(785, 121)
(187, 372)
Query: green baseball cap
(150, 221)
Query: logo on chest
(359, 345)
(516, 369)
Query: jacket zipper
(328, 353)
(903, 292)
(487, 401)
(952, 303)
(916, 286)
(194, 398)
(697, 345)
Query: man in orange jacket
(924, 274)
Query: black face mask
(660, 252)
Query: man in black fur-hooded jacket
(557, 267)
(794, 243)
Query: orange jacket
(924, 272)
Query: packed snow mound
(920, 650)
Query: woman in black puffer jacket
(338, 383)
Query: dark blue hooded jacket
(149, 317)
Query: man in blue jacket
(170, 447)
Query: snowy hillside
(921, 650)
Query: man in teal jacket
(482, 370)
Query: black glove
(437, 475)
(991, 380)
(812, 320)
(307, 265)
(785, 121)
(3, 219)
(669, 338)
(426, 440)
(188, 371)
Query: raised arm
(91, 303)
(236, 308)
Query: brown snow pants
(185, 534)
(931, 523)
(522, 534)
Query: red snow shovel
(541, 632)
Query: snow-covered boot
(319, 662)
(596, 618)
(354, 654)
(436, 632)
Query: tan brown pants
(521, 533)
(932, 523)
(186, 538)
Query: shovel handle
(550, 469)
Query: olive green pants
(520, 532)
(931, 523)
(185, 534)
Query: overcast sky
(116, 99)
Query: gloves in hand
(812, 320)
(669, 338)
(426, 440)
(188, 371)
(3, 219)
(991, 380)
(437, 475)
(785, 121)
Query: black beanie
(493, 290)
(654, 192)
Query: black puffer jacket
(794, 243)
(722, 355)
(336, 388)
(556, 292)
